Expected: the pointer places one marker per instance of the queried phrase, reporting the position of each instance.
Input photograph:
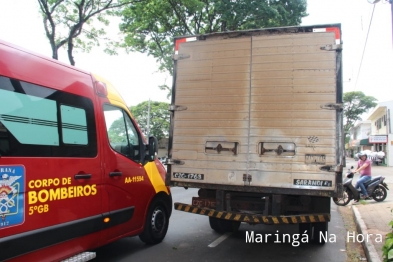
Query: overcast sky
(136, 77)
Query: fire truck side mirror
(152, 148)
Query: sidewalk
(373, 218)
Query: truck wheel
(222, 225)
(320, 229)
(306, 226)
(342, 201)
(380, 194)
(156, 225)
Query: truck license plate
(188, 176)
(315, 159)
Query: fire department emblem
(11, 196)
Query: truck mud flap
(254, 218)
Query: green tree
(117, 132)
(159, 118)
(150, 26)
(356, 103)
(70, 23)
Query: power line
(364, 48)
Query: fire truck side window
(43, 122)
(122, 134)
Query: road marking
(219, 240)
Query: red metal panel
(43, 71)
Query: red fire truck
(76, 172)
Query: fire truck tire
(222, 225)
(157, 221)
(320, 228)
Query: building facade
(359, 138)
(381, 130)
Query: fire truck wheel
(156, 224)
(222, 225)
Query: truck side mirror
(153, 148)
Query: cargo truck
(257, 126)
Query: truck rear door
(258, 109)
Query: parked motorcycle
(376, 189)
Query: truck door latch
(247, 178)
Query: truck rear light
(335, 30)
(107, 219)
(183, 40)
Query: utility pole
(148, 120)
(391, 8)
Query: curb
(369, 249)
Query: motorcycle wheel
(342, 201)
(380, 194)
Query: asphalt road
(190, 238)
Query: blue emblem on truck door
(12, 187)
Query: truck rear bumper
(254, 218)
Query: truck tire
(156, 224)
(320, 228)
(303, 227)
(223, 226)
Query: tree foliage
(117, 131)
(356, 103)
(151, 26)
(159, 118)
(70, 23)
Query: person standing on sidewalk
(364, 169)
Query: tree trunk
(69, 51)
(55, 54)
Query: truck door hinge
(177, 108)
(180, 56)
(332, 106)
(171, 161)
(327, 168)
(331, 47)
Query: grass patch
(355, 250)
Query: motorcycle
(376, 189)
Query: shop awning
(364, 142)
